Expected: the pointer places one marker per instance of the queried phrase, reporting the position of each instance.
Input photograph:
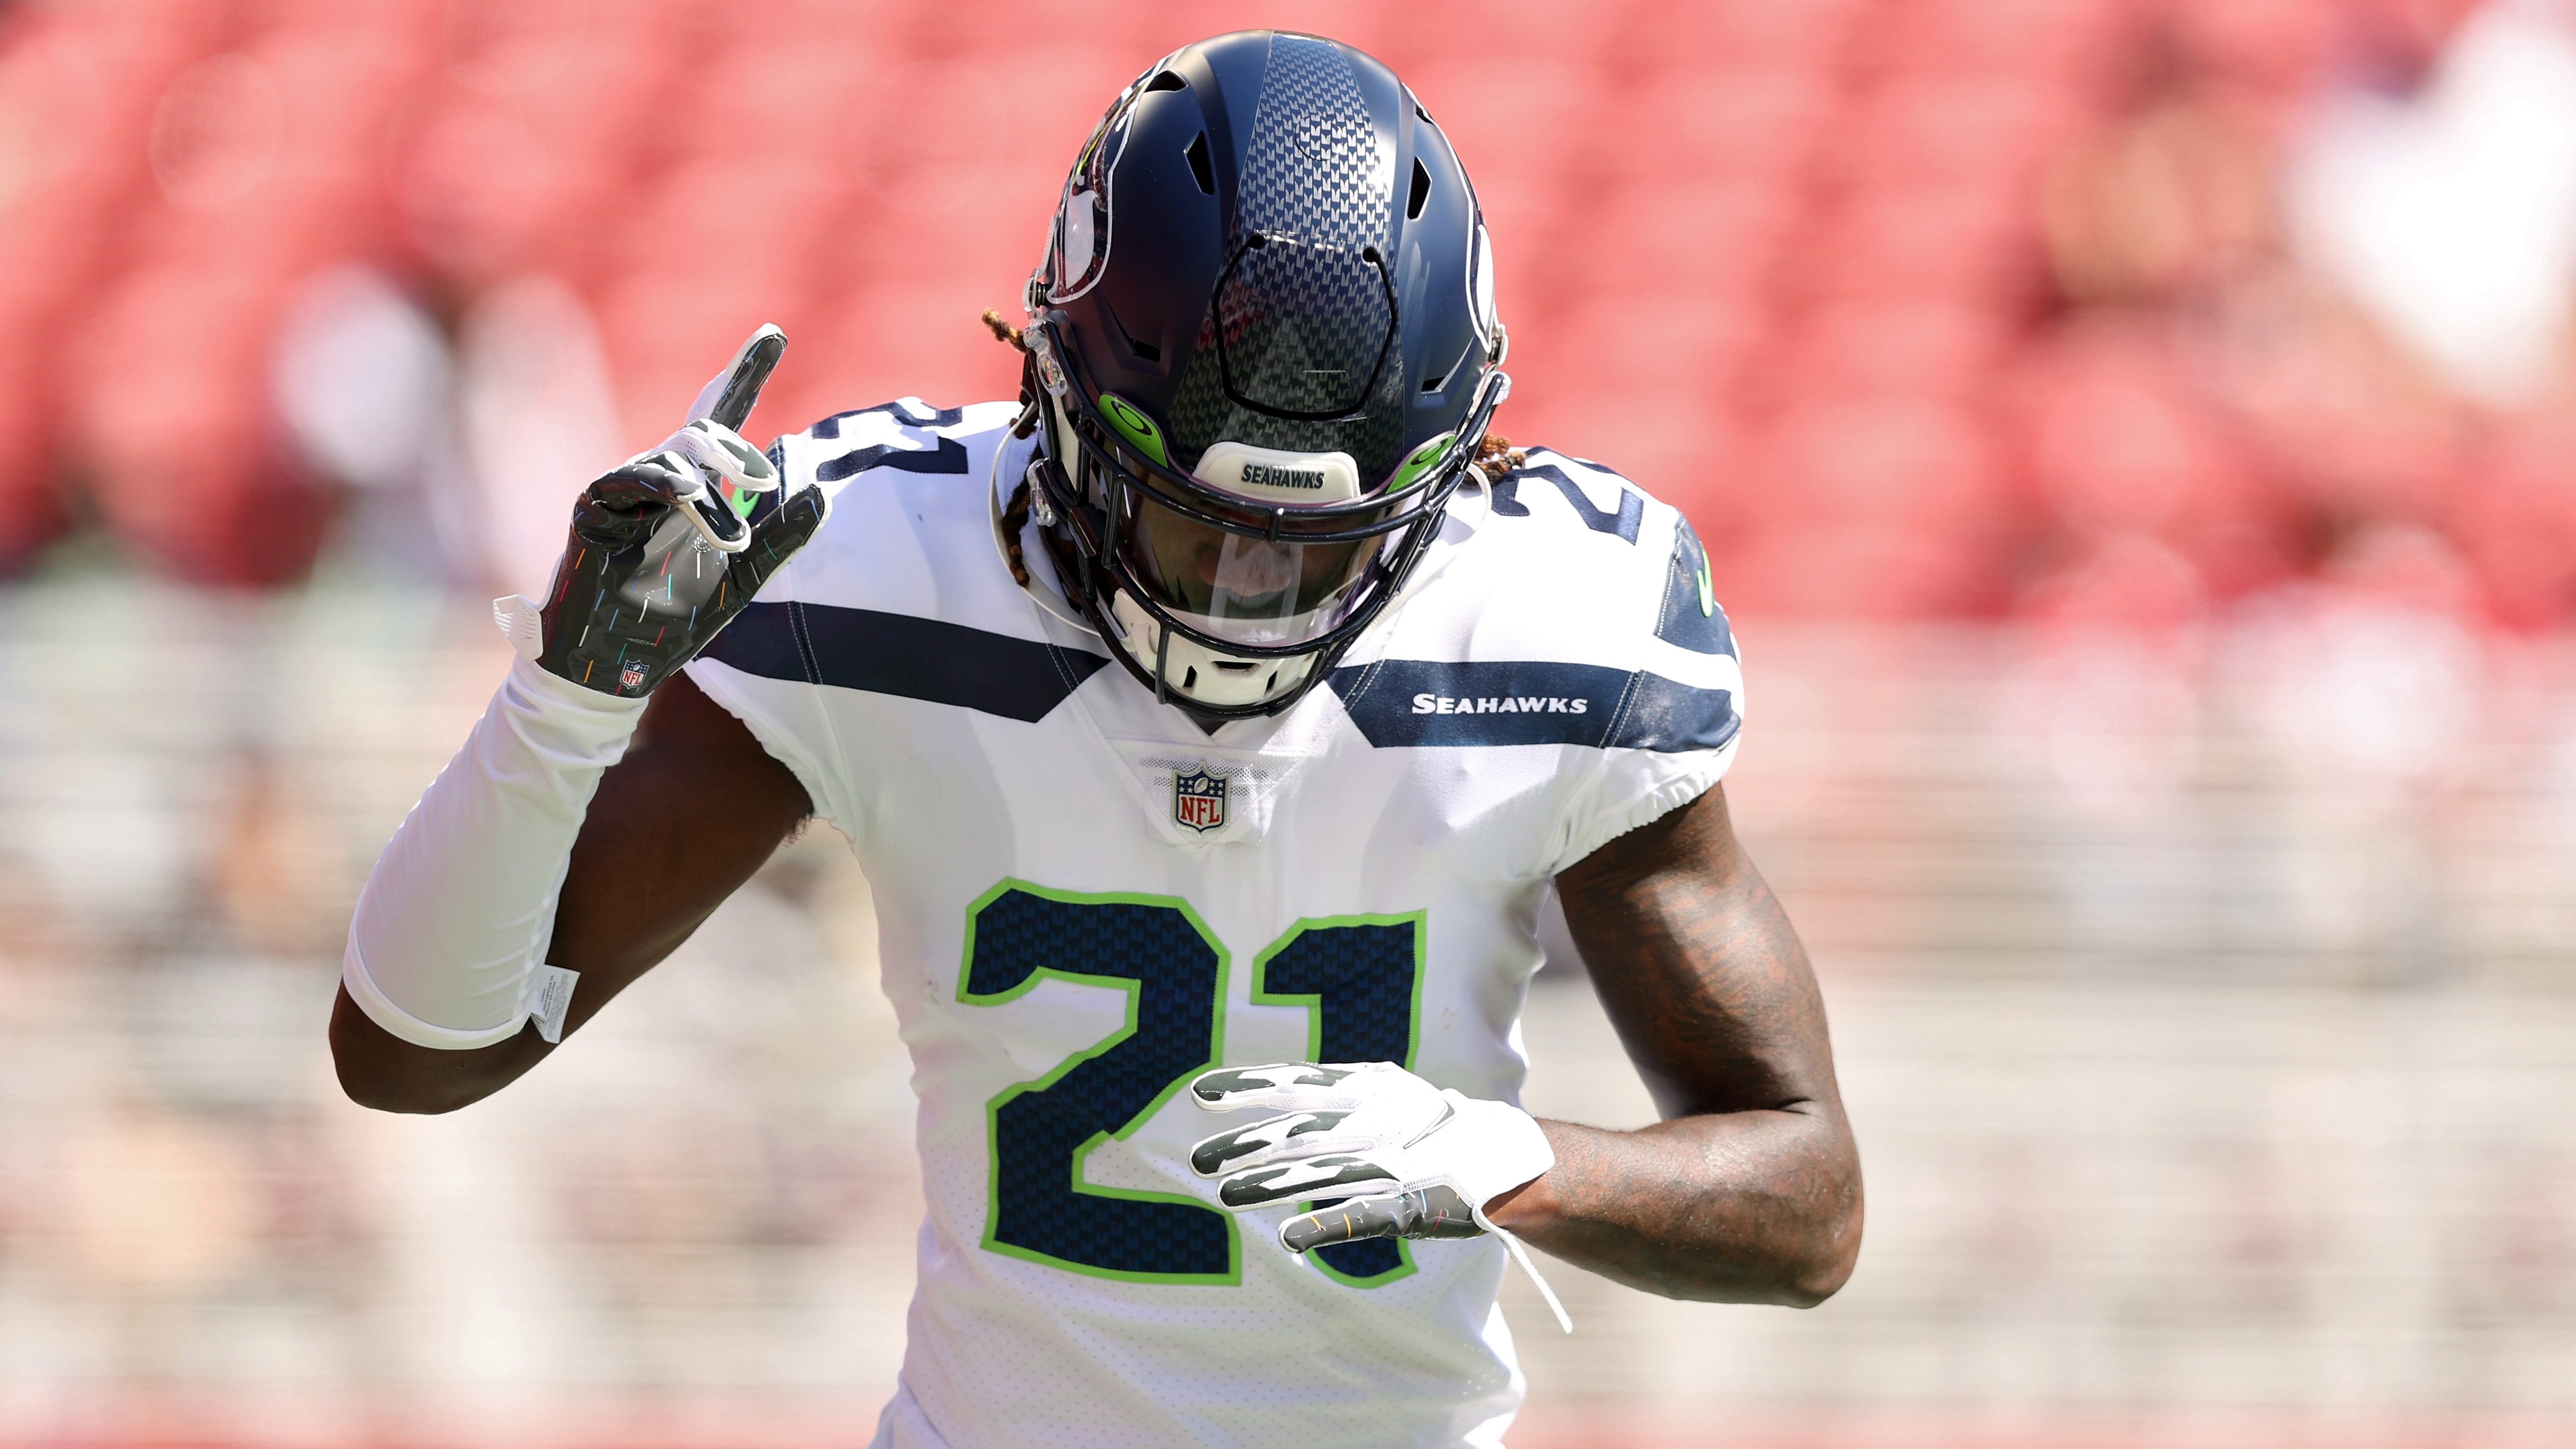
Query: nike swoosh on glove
(1395, 1156)
(667, 547)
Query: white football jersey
(1084, 900)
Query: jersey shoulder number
(1582, 612)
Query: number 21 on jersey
(1359, 977)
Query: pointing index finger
(729, 397)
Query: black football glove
(668, 546)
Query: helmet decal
(1421, 461)
(1083, 213)
(1132, 424)
(1078, 239)
(1480, 289)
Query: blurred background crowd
(1924, 308)
(2138, 438)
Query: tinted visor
(1244, 587)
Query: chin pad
(1198, 674)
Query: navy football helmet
(1262, 355)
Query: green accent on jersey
(1421, 461)
(1133, 989)
(1707, 588)
(1130, 422)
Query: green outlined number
(1360, 976)
(1156, 951)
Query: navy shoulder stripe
(899, 654)
(1690, 616)
(1417, 702)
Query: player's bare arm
(1749, 1190)
(678, 825)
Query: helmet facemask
(1230, 588)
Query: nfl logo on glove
(1198, 800)
(633, 674)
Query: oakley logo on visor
(1276, 476)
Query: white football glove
(1395, 1156)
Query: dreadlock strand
(1015, 521)
(1003, 331)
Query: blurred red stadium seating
(1782, 261)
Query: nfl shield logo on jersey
(1198, 799)
(633, 674)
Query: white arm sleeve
(456, 917)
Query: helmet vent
(1201, 171)
(1167, 81)
(1144, 351)
(1414, 203)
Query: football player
(1211, 722)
